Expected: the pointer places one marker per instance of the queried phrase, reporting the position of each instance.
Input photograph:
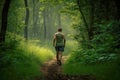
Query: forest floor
(52, 71)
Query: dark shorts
(59, 48)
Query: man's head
(59, 29)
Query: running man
(59, 44)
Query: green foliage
(71, 45)
(38, 53)
(99, 56)
(20, 60)
(16, 66)
(102, 71)
(16, 17)
(90, 57)
(12, 40)
(101, 48)
(106, 38)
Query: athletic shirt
(59, 39)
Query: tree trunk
(84, 20)
(118, 9)
(35, 17)
(4, 20)
(118, 20)
(45, 32)
(26, 20)
(59, 20)
(91, 28)
(59, 17)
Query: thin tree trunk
(35, 17)
(34, 20)
(59, 17)
(59, 20)
(4, 20)
(84, 20)
(49, 18)
(51, 22)
(26, 20)
(45, 32)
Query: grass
(22, 62)
(71, 45)
(102, 71)
(38, 52)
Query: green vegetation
(101, 66)
(22, 61)
(102, 71)
(27, 28)
(98, 39)
(71, 45)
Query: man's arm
(54, 40)
(64, 40)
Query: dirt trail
(52, 71)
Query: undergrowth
(103, 67)
(20, 60)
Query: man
(59, 44)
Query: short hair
(60, 29)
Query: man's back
(59, 39)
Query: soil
(52, 71)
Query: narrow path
(52, 71)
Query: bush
(90, 56)
(23, 61)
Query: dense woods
(90, 26)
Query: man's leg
(60, 54)
(57, 53)
(59, 57)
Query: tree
(118, 9)
(26, 20)
(59, 16)
(89, 26)
(36, 6)
(83, 17)
(45, 26)
(4, 20)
